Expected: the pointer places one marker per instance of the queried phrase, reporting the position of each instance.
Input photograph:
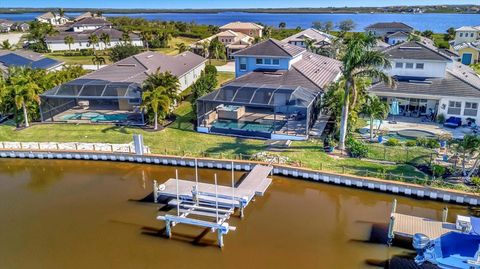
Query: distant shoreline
(444, 9)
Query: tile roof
(287, 78)
(310, 33)
(273, 48)
(241, 25)
(398, 34)
(415, 50)
(390, 25)
(473, 45)
(91, 21)
(468, 28)
(48, 15)
(26, 58)
(114, 34)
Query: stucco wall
(284, 64)
(431, 69)
(61, 46)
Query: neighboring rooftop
(87, 14)
(273, 48)
(416, 51)
(473, 45)
(24, 58)
(310, 33)
(241, 25)
(114, 34)
(48, 15)
(398, 34)
(468, 28)
(390, 25)
(89, 21)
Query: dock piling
(155, 191)
(168, 229)
(445, 214)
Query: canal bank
(374, 184)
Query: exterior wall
(396, 40)
(284, 64)
(475, 55)
(188, 79)
(443, 108)
(79, 29)
(53, 21)
(431, 69)
(61, 46)
(250, 32)
(466, 36)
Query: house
(22, 27)
(397, 37)
(26, 58)
(83, 29)
(52, 18)
(467, 44)
(113, 93)
(6, 26)
(430, 82)
(319, 38)
(275, 93)
(382, 29)
(233, 42)
(248, 28)
(87, 14)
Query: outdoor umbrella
(394, 110)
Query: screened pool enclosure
(93, 101)
(263, 111)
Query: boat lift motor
(420, 243)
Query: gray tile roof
(398, 34)
(114, 34)
(390, 25)
(310, 33)
(91, 21)
(459, 81)
(273, 48)
(415, 50)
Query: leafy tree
(375, 109)
(205, 84)
(267, 31)
(310, 44)
(98, 60)
(126, 39)
(346, 26)
(37, 33)
(450, 35)
(414, 37)
(123, 51)
(68, 40)
(93, 41)
(467, 148)
(6, 45)
(325, 27)
(146, 38)
(427, 33)
(211, 69)
(157, 101)
(105, 39)
(282, 25)
(25, 90)
(181, 47)
(216, 49)
(360, 61)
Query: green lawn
(223, 77)
(172, 50)
(476, 67)
(74, 59)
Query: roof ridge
(280, 44)
(463, 79)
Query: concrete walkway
(228, 67)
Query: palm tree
(181, 47)
(467, 148)
(93, 40)
(25, 90)
(216, 49)
(205, 46)
(69, 41)
(360, 61)
(105, 39)
(268, 31)
(126, 38)
(310, 44)
(282, 25)
(375, 109)
(6, 45)
(147, 38)
(98, 60)
(166, 80)
(165, 38)
(157, 101)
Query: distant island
(466, 9)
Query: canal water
(78, 214)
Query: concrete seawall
(374, 184)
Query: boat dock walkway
(210, 205)
(407, 225)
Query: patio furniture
(453, 122)
(84, 104)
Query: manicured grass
(75, 59)
(476, 67)
(217, 62)
(172, 49)
(223, 77)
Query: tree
(123, 51)
(25, 90)
(126, 39)
(267, 31)
(427, 33)
(69, 41)
(282, 25)
(61, 14)
(206, 83)
(181, 47)
(166, 80)
(413, 37)
(93, 41)
(216, 49)
(98, 60)
(37, 34)
(157, 101)
(467, 148)
(105, 39)
(325, 27)
(6, 45)
(98, 13)
(450, 35)
(346, 26)
(360, 61)
(310, 44)
(146, 38)
(165, 38)
(375, 109)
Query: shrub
(441, 118)
(432, 143)
(210, 69)
(476, 181)
(123, 51)
(393, 142)
(411, 143)
(357, 148)
(438, 170)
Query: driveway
(228, 67)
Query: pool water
(95, 117)
(266, 126)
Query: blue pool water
(264, 126)
(96, 117)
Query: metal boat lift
(210, 205)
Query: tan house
(52, 18)
(248, 28)
(233, 41)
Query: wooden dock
(407, 226)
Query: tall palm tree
(165, 39)
(126, 38)
(216, 49)
(375, 109)
(105, 39)
(93, 41)
(467, 148)
(69, 41)
(6, 45)
(205, 45)
(165, 79)
(25, 90)
(310, 44)
(360, 61)
(181, 47)
(157, 101)
(98, 60)
(146, 38)
(268, 31)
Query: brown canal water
(76, 214)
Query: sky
(199, 4)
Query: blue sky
(218, 3)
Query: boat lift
(210, 205)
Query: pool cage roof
(95, 89)
(262, 95)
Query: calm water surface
(75, 214)
(438, 23)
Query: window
(275, 61)
(259, 61)
(420, 66)
(409, 65)
(454, 108)
(398, 65)
(471, 109)
(461, 34)
(243, 64)
(471, 35)
(267, 61)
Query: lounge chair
(453, 122)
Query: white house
(382, 29)
(430, 82)
(319, 38)
(233, 42)
(397, 37)
(467, 44)
(52, 18)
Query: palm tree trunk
(25, 114)
(371, 129)
(475, 166)
(156, 121)
(344, 118)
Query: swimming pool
(266, 126)
(95, 117)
